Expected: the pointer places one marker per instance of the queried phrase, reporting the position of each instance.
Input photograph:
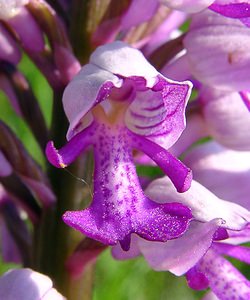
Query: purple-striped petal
(160, 113)
(121, 73)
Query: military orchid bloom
(119, 103)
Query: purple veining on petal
(180, 175)
(232, 10)
(119, 206)
(160, 111)
(68, 153)
(158, 102)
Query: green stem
(56, 240)
(79, 33)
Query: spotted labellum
(116, 104)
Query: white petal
(205, 206)
(120, 59)
(81, 94)
(179, 255)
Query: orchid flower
(119, 102)
(197, 253)
(214, 271)
(27, 284)
(217, 51)
(15, 14)
(213, 117)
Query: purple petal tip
(53, 156)
(187, 182)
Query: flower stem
(56, 241)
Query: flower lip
(119, 206)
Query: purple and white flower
(117, 103)
(27, 284)
(197, 253)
